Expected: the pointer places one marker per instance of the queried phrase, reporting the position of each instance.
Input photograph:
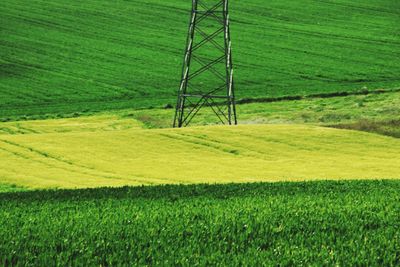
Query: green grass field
(317, 111)
(286, 224)
(86, 90)
(58, 57)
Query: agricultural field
(332, 111)
(288, 224)
(92, 174)
(58, 57)
(213, 154)
(116, 148)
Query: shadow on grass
(388, 127)
(216, 191)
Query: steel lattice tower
(207, 72)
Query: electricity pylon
(207, 72)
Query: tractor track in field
(359, 7)
(228, 148)
(92, 172)
(193, 140)
(86, 170)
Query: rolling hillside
(310, 176)
(61, 57)
(88, 157)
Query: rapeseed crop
(214, 154)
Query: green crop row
(60, 58)
(289, 224)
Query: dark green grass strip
(384, 127)
(313, 223)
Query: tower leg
(191, 95)
(180, 106)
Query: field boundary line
(316, 96)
